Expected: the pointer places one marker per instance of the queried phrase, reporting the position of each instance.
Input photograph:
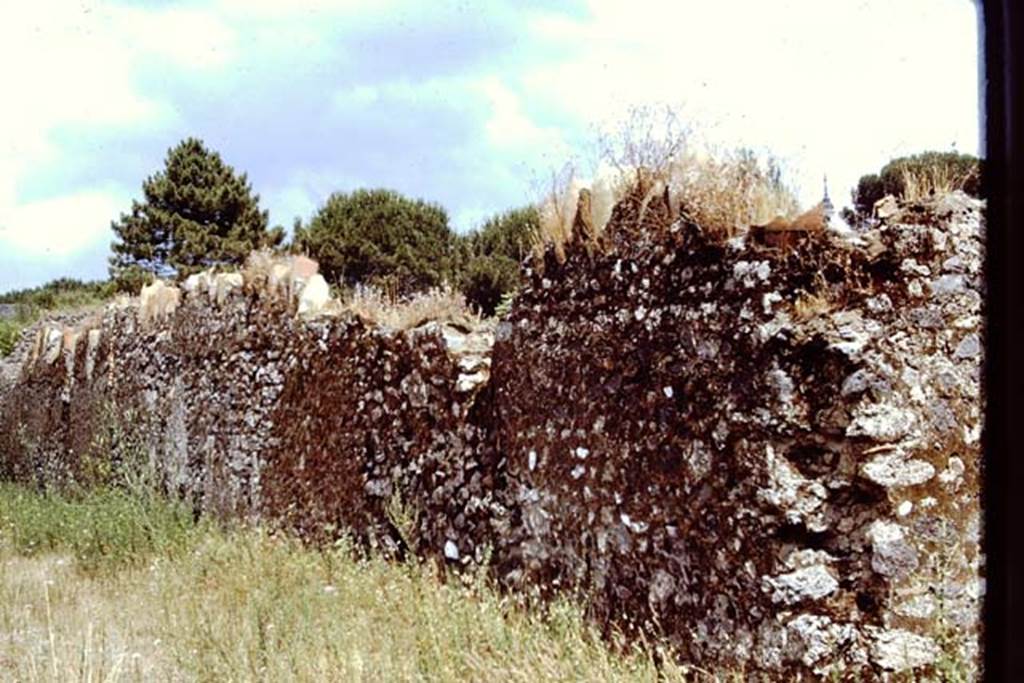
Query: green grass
(10, 331)
(63, 294)
(104, 530)
(113, 586)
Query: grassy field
(115, 586)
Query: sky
(470, 105)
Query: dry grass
(441, 304)
(725, 191)
(808, 306)
(241, 605)
(924, 180)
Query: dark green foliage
(869, 190)
(131, 280)
(851, 217)
(919, 174)
(380, 237)
(486, 279)
(492, 257)
(196, 214)
(510, 234)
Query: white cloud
(61, 226)
(508, 125)
(837, 87)
(75, 63)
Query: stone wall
(770, 457)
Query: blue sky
(466, 104)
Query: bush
(492, 256)
(10, 331)
(869, 190)
(378, 237)
(917, 176)
(510, 234)
(60, 294)
(130, 280)
(486, 280)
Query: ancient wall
(769, 456)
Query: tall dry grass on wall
(725, 191)
(937, 178)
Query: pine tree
(380, 237)
(196, 214)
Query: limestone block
(315, 295)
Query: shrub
(378, 237)
(442, 304)
(486, 280)
(103, 529)
(59, 294)
(917, 176)
(492, 255)
(509, 234)
(869, 190)
(10, 331)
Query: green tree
(380, 237)
(197, 213)
(510, 234)
(869, 190)
(492, 257)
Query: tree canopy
(196, 213)
(493, 253)
(380, 237)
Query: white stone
(451, 551)
(314, 296)
(768, 300)
(899, 650)
(798, 498)
(808, 583)
(469, 381)
(895, 470)
(226, 283)
(53, 340)
(91, 348)
(882, 422)
(892, 555)
(663, 585)
(953, 472)
(157, 301)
